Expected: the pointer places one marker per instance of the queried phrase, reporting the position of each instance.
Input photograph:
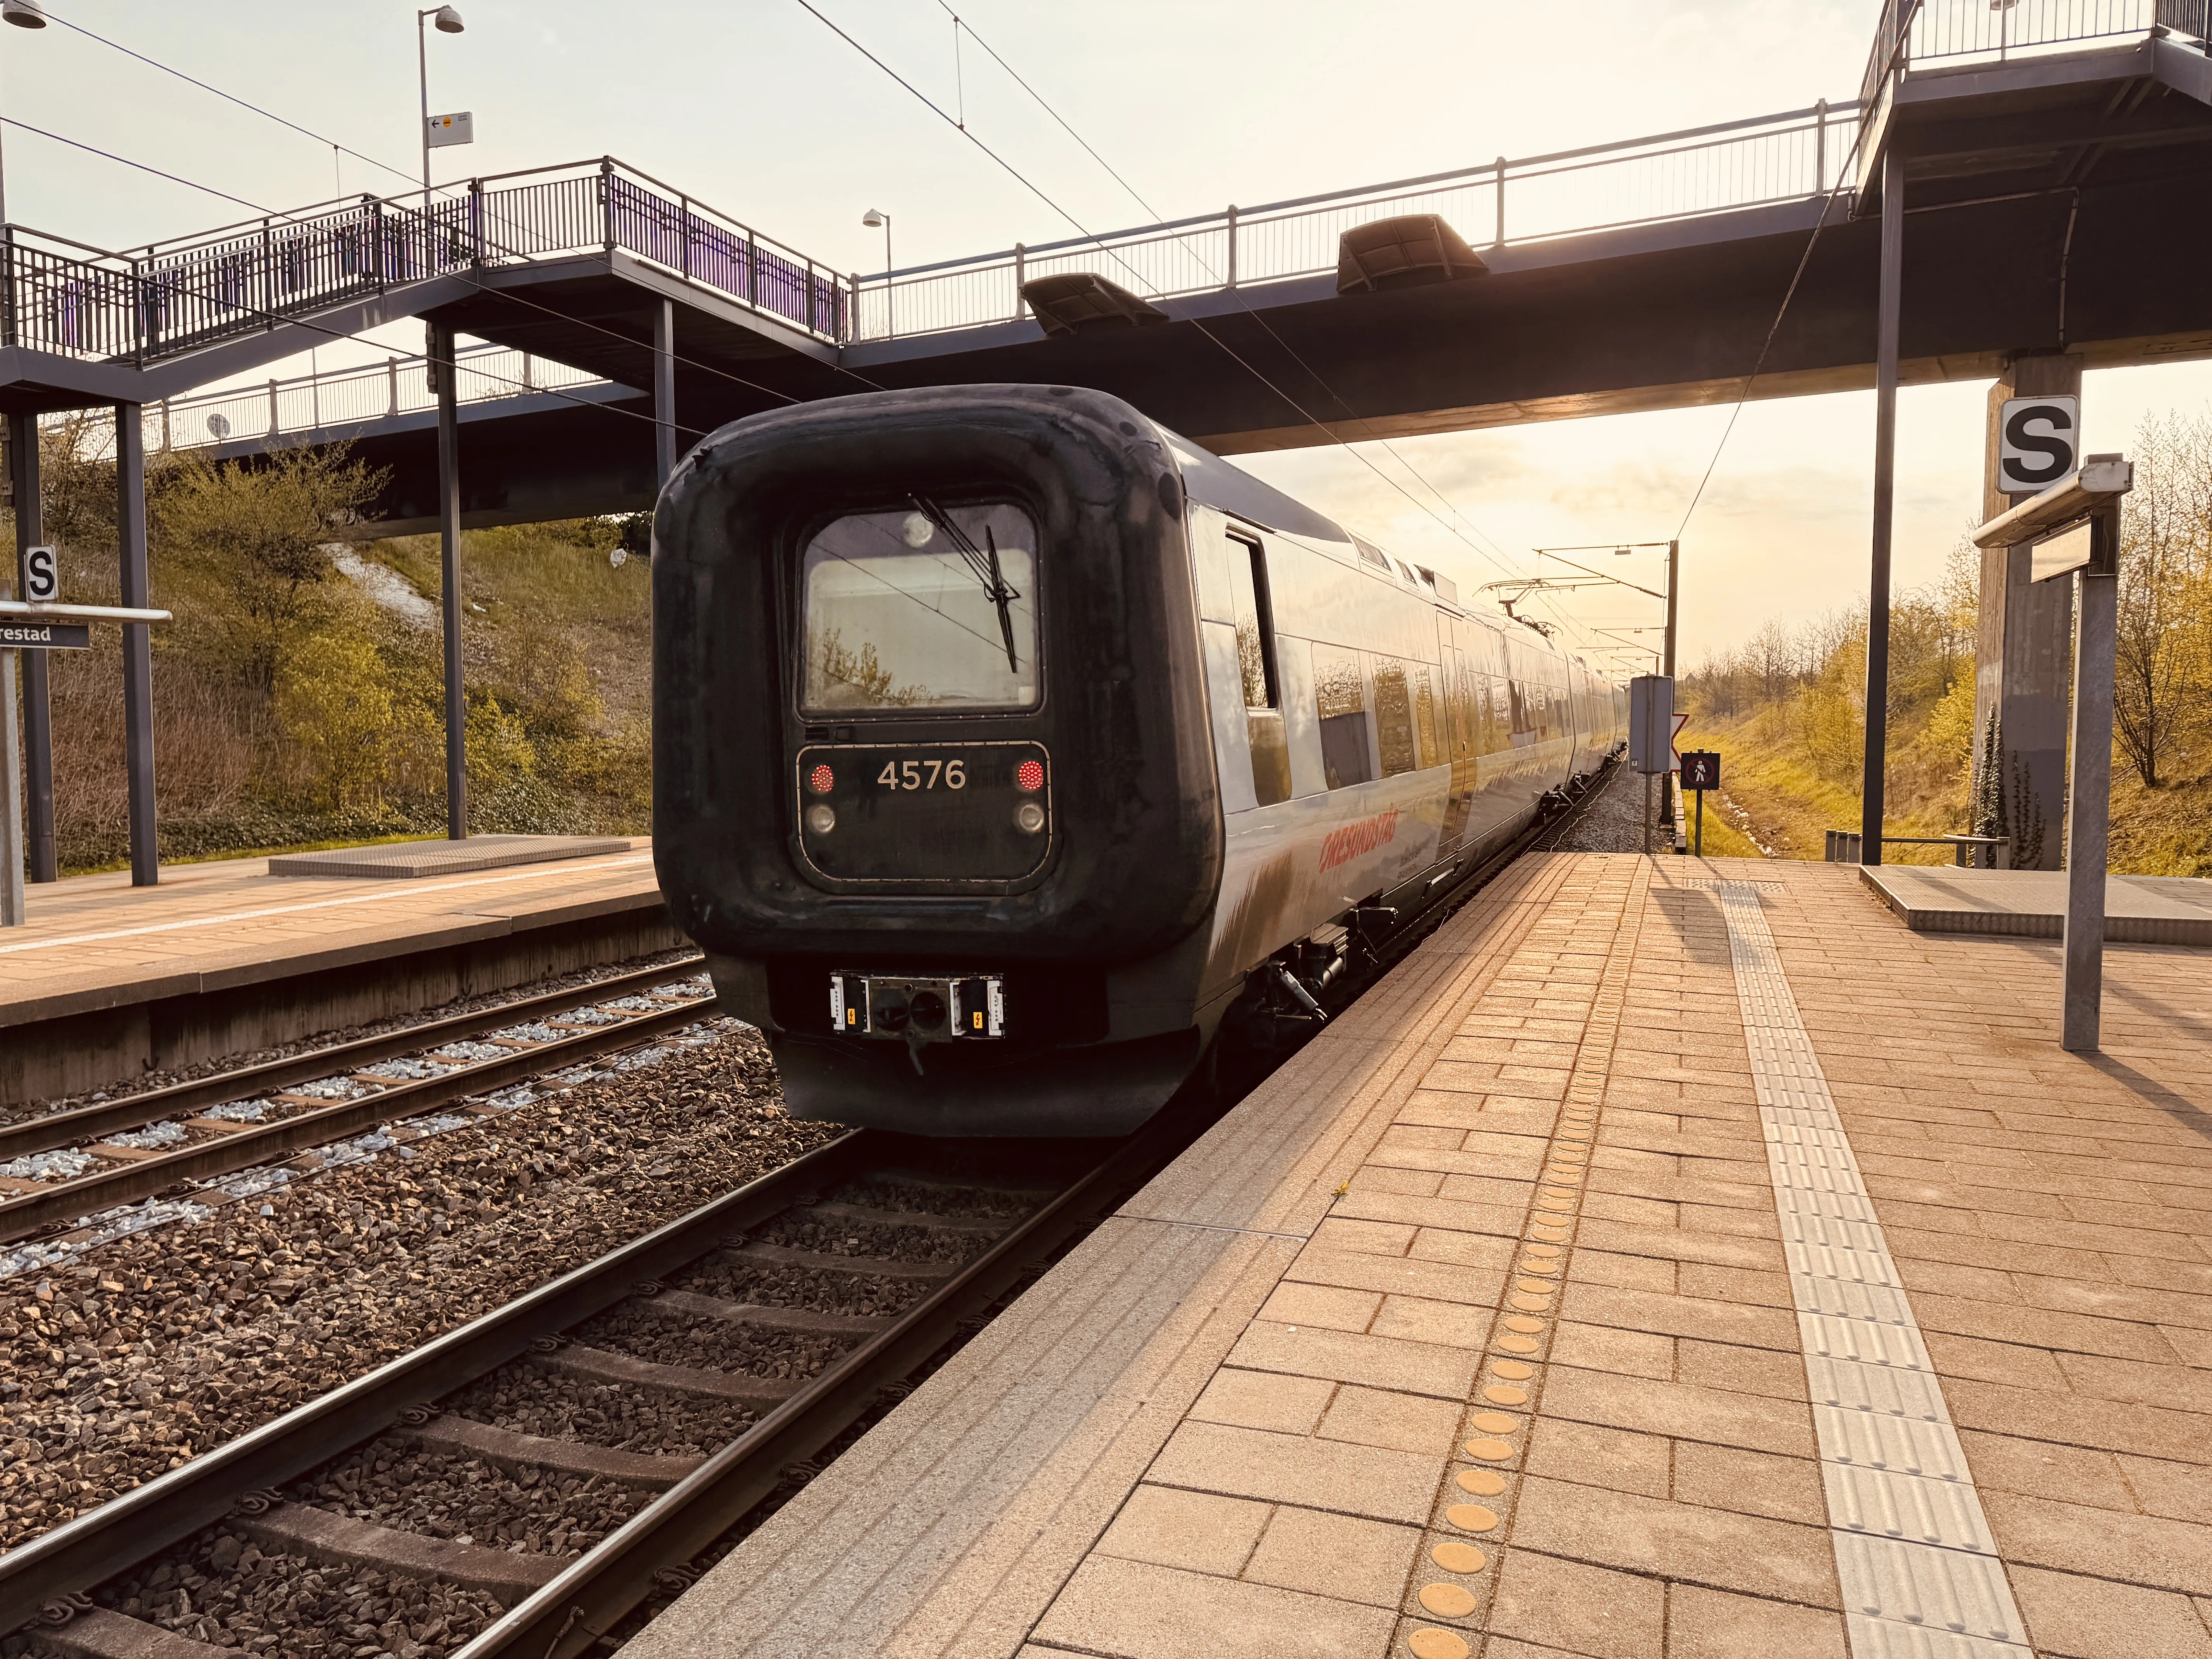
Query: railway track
(63, 1166)
(765, 1324)
(785, 1309)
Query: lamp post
(24, 14)
(873, 219)
(449, 22)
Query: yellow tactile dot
(1483, 1483)
(1459, 1557)
(1546, 1251)
(1473, 1518)
(1540, 1267)
(1505, 1394)
(1513, 1370)
(1521, 1323)
(1495, 1422)
(1517, 1344)
(1437, 1644)
(1447, 1601)
(1528, 1303)
(1535, 1291)
(1489, 1451)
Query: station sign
(2039, 442)
(42, 582)
(459, 128)
(2087, 546)
(16, 633)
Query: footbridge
(2050, 156)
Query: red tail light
(822, 779)
(1030, 776)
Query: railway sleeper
(342, 1541)
(922, 1221)
(97, 1633)
(650, 1470)
(605, 1366)
(866, 1266)
(689, 1305)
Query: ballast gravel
(715, 1344)
(156, 1347)
(448, 1495)
(528, 1400)
(224, 1590)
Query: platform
(108, 980)
(2032, 903)
(1671, 1259)
(414, 860)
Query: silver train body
(1246, 745)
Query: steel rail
(567, 1616)
(102, 1542)
(43, 1134)
(257, 1145)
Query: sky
(758, 107)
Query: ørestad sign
(17, 634)
(2039, 442)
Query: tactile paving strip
(1921, 1579)
(1465, 1539)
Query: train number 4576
(924, 774)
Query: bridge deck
(1668, 1259)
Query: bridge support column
(1885, 501)
(663, 392)
(137, 640)
(38, 702)
(449, 551)
(2023, 655)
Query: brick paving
(1472, 1332)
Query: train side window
(1394, 717)
(1255, 630)
(1340, 699)
(1256, 661)
(1424, 715)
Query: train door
(1459, 719)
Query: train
(1011, 751)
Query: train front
(933, 785)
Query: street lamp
(873, 218)
(449, 22)
(24, 14)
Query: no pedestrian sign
(17, 634)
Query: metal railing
(1674, 175)
(1925, 34)
(348, 398)
(154, 302)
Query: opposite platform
(108, 980)
(1666, 1260)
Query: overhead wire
(108, 155)
(1137, 196)
(228, 97)
(1088, 235)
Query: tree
(2166, 544)
(251, 538)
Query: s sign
(2039, 442)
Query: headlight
(820, 819)
(1029, 817)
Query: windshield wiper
(984, 562)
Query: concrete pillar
(449, 554)
(37, 704)
(664, 394)
(138, 642)
(2023, 655)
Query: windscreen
(922, 607)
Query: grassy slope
(1787, 806)
(2162, 832)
